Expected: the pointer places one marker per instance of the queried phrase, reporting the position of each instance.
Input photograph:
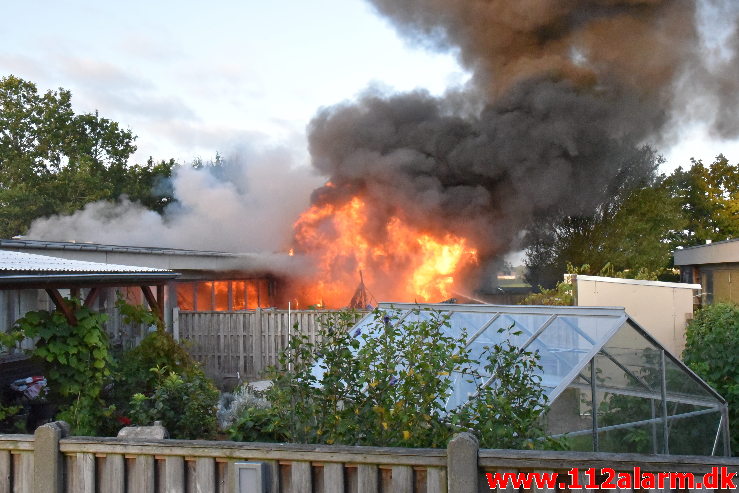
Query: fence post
(461, 460)
(48, 463)
(176, 323)
(257, 343)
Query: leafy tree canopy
(54, 161)
(636, 232)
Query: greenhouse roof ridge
(607, 311)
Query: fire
(400, 263)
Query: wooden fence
(241, 344)
(48, 462)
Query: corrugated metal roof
(30, 262)
(74, 246)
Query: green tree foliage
(387, 386)
(55, 161)
(636, 232)
(709, 201)
(712, 351)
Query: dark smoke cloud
(570, 92)
(545, 146)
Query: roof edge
(638, 282)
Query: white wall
(661, 308)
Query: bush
(185, 404)
(157, 350)
(95, 393)
(712, 351)
(233, 406)
(77, 364)
(387, 386)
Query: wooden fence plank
(240, 327)
(256, 330)
(436, 480)
(174, 474)
(5, 471)
(205, 475)
(85, 471)
(333, 478)
(301, 479)
(114, 479)
(244, 343)
(367, 478)
(402, 479)
(23, 473)
(144, 474)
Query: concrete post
(461, 460)
(48, 463)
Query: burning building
(208, 281)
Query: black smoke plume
(565, 94)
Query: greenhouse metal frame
(646, 399)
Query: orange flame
(400, 263)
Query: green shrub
(157, 350)
(387, 386)
(712, 351)
(185, 404)
(77, 363)
(77, 357)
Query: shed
(208, 281)
(610, 385)
(26, 277)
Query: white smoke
(248, 204)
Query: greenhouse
(610, 386)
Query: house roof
(25, 262)
(95, 247)
(191, 263)
(719, 252)
(21, 269)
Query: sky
(191, 79)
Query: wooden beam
(74, 292)
(91, 297)
(160, 301)
(62, 305)
(153, 303)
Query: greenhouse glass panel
(566, 343)
(695, 433)
(495, 333)
(572, 412)
(682, 386)
(469, 322)
(631, 438)
(638, 356)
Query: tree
(637, 233)
(626, 232)
(55, 161)
(709, 200)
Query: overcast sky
(190, 78)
